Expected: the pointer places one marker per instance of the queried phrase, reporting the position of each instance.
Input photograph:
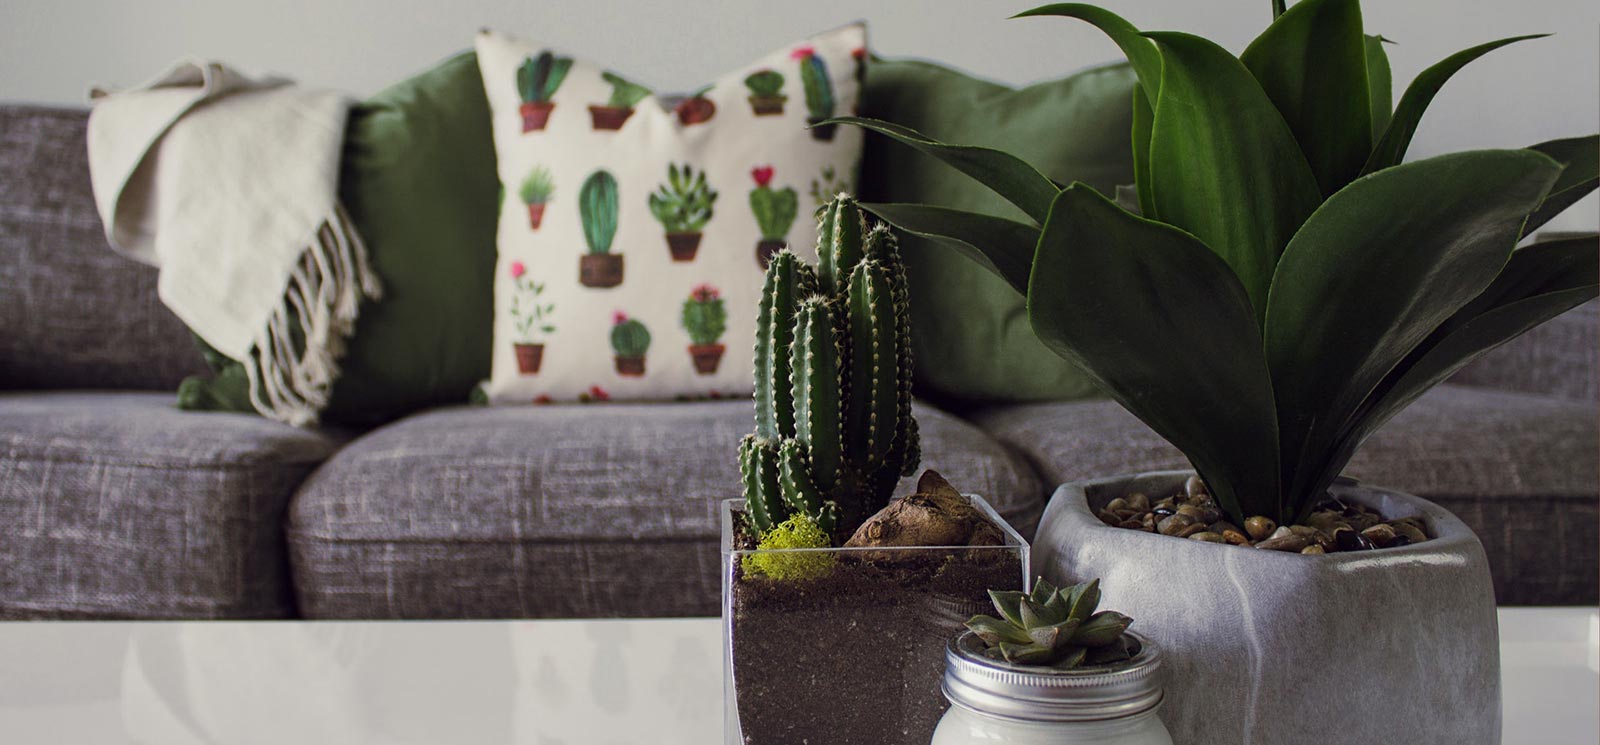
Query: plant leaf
(1380, 85)
(1160, 323)
(1008, 603)
(993, 631)
(1312, 63)
(1580, 174)
(1223, 164)
(1390, 149)
(1101, 629)
(1042, 590)
(1084, 599)
(1002, 246)
(1370, 275)
(1143, 118)
(1005, 174)
(1540, 282)
(1140, 52)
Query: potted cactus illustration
(537, 81)
(625, 94)
(597, 206)
(819, 92)
(766, 92)
(775, 211)
(531, 318)
(705, 318)
(537, 188)
(630, 340)
(696, 109)
(683, 206)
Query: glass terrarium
(847, 645)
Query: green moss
(799, 531)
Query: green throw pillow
(419, 182)
(970, 330)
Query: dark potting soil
(856, 656)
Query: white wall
(52, 50)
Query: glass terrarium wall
(848, 645)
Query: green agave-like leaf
(1223, 164)
(1540, 282)
(1083, 599)
(994, 631)
(1391, 147)
(1144, 117)
(1002, 246)
(1380, 85)
(1371, 274)
(1101, 629)
(1043, 590)
(1026, 654)
(1116, 651)
(1140, 52)
(1312, 63)
(1580, 174)
(1008, 603)
(1003, 173)
(1069, 658)
(1056, 634)
(1160, 323)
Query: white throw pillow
(633, 229)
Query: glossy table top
(524, 682)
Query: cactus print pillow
(634, 228)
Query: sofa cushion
(558, 511)
(73, 314)
(117, 505)
(1520, 470)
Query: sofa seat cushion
(559, 511)
(1519, 469)
(118, 505)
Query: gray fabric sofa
(114, 504)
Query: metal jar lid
(1039, 694)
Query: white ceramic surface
(518, 683)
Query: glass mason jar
(998, 702)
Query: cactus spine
(834, 431)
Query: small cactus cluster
(1054, 626)
(775, 209)
(834, 430)
(705, 316)
(814, 79)
(597, 205)
(683, 204)
(629, 338)
(538, 78)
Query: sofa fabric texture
(117, 505)
(73, 313)
(1519, 469)
(559, 511)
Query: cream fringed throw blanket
(229, 184)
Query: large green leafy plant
(1280, 284)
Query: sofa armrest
(1556, 359)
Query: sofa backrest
(73, 313)
(1560, 358)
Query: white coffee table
(517, 683)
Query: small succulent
(1055, 627)
(624, 93)
(765, 83)
(538, 187)
(684, 203)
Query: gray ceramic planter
(1268, 648)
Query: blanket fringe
(294, 360)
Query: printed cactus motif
(625, 94)
(531, 318)
(630, 341)
(536, 190)
(834, 430)
(705, 316)
(597, 206)
(775, 211)
(696, 109)
(537, 81)
(766, 92)
(683, 207)
(819, 91)
(828, 184)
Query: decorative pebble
(1312, 549)
(1287, 542)
(1208, 537)
(1259, 527)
